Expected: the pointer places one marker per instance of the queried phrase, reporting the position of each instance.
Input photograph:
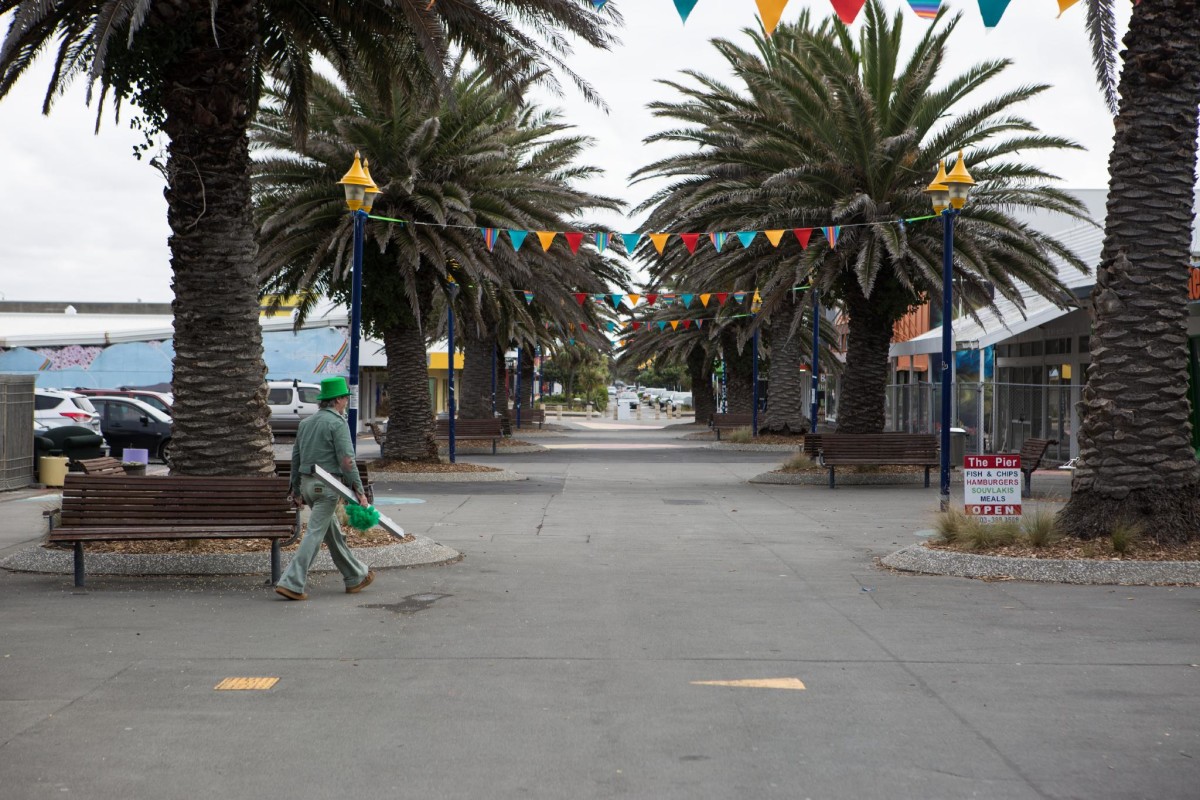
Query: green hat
(333, 388)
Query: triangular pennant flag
(739, 297)
(583, 326)
(599, 4)
(687, 300)
(674, 324)
(992, 11)
(722, 297)
(831, 235)
(927, 9)
(847, 10)
(616, 300)
(637, 325)
(690, 240)
(571, 341)
(774, 237)
(718, 240)
(699, 323)
(802, 236)
(610, 326)
(684, 7)
(580, 297)
(546, 238)
(668, 300)
(633, 300)
(489, 237)
(704, 298)
(517, 238)
(574, 240)
(651, 299)
(746, 237)
(1063, 5)
(687, 324)
(660, 241)
(528, 298)
(602, 241)
(771, 11)
(631, 241)
(661, 324)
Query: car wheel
(164, 452)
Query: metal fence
(16, 431)
(995, 417)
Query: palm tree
(1135, 456)
(821, 130)
(194, 70)
(449, 166)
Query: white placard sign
(346, 494)
(992, 487)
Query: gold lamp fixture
(357, 183)
(959, 182)
(938, 191)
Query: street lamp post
(755, 307)
(948, 194)
(360, 197)
(816, 358)
(450, 404)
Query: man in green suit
(324, 440)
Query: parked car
(290, 402)
(129, 422)
(630, 398)
(56, 408)
(160, 400)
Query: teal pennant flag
(616, 300)
(992, 11)
(687, 300)
(631, 241)
(517, 238)
(599, 4)
(684, 7)
(746, 237)
(661, 324)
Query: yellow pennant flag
(660, 241)
(674, 324)
(704, 299)
(774, 236)
(633, 300)
(1063, 5)
(546, 238)
(772, 10)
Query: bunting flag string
(662, 299)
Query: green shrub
(739, 436)
(799, 463)
(950, 525)
(1040, 529)
(985, 535)
(1125, 536)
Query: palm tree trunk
(526, 367)
(864, 383)
(220, 410)
(475, 397)
(739, 374)
(410, 421)
(699, 365)
(785, 410)
(1135, 458)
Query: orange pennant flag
(1063, 5)
(660, 241)
(546, 238)
(633, 300)
(704, 299)
(674, 324)
(774, 237)
(771, 11)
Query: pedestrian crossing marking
(245, 684)
(758, 683)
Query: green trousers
(322, 527)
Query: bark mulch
(428, 466)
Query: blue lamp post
(755, 307)
(360, 197)
(816, 357)
(450, 404)
(948, 194)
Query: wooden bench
(115, 509)
(1032, 451)
(878, 449)
(536, 416)
(812, 445)
(731, 422)
(101, 466)
(472, 429)
(283, 468)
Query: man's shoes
(289, 594)
(365, 583)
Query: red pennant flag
(637, 325)
(689, 241)
(803, 235)
(580, 298)
(650, 299)
(583, 326)
(722, 297)
(574, 240)
(847, 10)
(687, 324)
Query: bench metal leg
(831, 479)
(493, 447)
(274, 561)
(927, 477)
(79, 565)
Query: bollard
(616, 406)
(560, 412)
(639, 411)
(657, 413)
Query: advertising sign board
(992, 486)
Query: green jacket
(324, 439)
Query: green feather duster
(361, 518)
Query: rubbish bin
(52, 470)
(958, 446)
(133, 455)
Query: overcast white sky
(99, 231)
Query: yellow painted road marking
(758, 683)
(244, 684)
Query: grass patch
(1040, 529)
(739, 436)
(799, 463)
(1125, 536)
(951, 525)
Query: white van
(290, 402)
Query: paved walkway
(561, 657)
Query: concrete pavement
(558, 659)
